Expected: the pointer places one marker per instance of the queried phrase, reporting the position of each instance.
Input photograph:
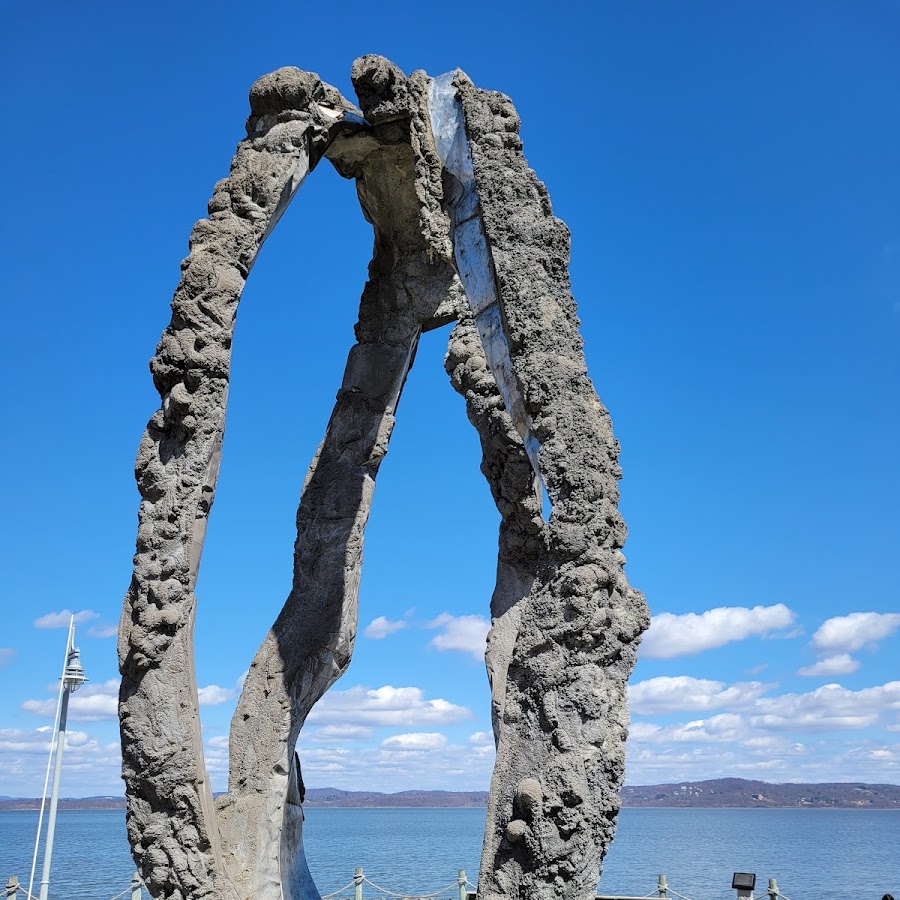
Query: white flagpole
(37, 839)
(73, 678)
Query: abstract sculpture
(463, 232)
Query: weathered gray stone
(563, 718)
(172, 827)
(310, 643)
(441, 177)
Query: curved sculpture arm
(570, 642)
(170, 817)
(463, 229)
(412, 286)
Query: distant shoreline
(719, 793)
(84, 806)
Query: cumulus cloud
(389, 706)
(466, 634)
(213, 695)
(340, 733)
(90, 703)
(215, 755)
(19, 740)
(431, 740)
(671, 635)
(772, 756)
(830, 707)
(840, 664)
(62, 618)
(380, 627)
(7, 655)
(724, 727)
(855, 631)
(91, 767)
(407, 761)
(684, 693)
(102, 630)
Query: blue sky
(729, 174)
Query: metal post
(773, 889)
(73, 678)
(12, 885)
(461, 880)
(358, 881)
(661, 886)
(54, 796)
(136, 885)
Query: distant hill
(334, 797)
(64, 803)
(740, 793)
(715, 794)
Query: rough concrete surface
(478, 245)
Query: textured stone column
(463, 230)
(506, 466)
(171, 825)
(561, 745)
(411, 288)
(565, 622)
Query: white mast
(72, 679)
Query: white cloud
(772, 757)
(673, 635)
(681, 692)
(389, 706)
(467, 634)
(855, 631)
(404, 762)
(841, 664)
(724, 728)
(382, 626)
(90, 767)
(215, 755)
(340, 733)
(18, 740)
(91, 703)
(432, 740)
(7, 654)
(482, 738)
(213, 695)
(62, 618)
(830, 707)
(103, 630)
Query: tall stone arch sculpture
(464, 233)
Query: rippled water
(828, 854)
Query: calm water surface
(826, 854)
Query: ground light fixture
(743, 883)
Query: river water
(813, 853)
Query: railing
(462, 885)
(664, 892)
(456, 890)
(13, 888)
